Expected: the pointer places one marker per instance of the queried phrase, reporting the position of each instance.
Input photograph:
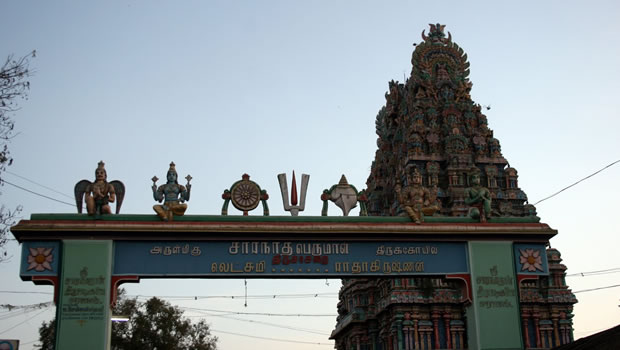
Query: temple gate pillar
(83, 311)
(495, 297)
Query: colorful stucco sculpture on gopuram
(99, 194)
(416, 199)
(478, 197)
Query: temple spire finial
(436, 34)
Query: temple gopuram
(431, 129)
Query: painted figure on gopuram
(415, 198)
(172, 194)
(99, 194)
(478, 197)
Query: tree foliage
(47, 335)
(158, 325)
(13, 86)
(154, 324)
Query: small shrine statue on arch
(99, 194)
(172, 194)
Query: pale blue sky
(223, 88)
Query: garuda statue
(99, 194)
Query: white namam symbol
(40, 259)
(530, 259)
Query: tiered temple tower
(430, 123)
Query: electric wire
(273, 339)
(265, 313)
(258, 322)
(38, 184)
(24, 321)
(38, 194)
(593, 289)
(198, 297)
(23, 292)
(263, 296)
(594, 273)
(253, 321)
(28, 342)
(225, 313)
(16, 310)
(70, 204)
(569, 186)
(13, 313)
(269, 296)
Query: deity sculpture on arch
(99, 194)
(172, 194)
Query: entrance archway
(87, 259)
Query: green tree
(46, 335)
(154, 324)
(13, 86)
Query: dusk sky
(224, 88)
